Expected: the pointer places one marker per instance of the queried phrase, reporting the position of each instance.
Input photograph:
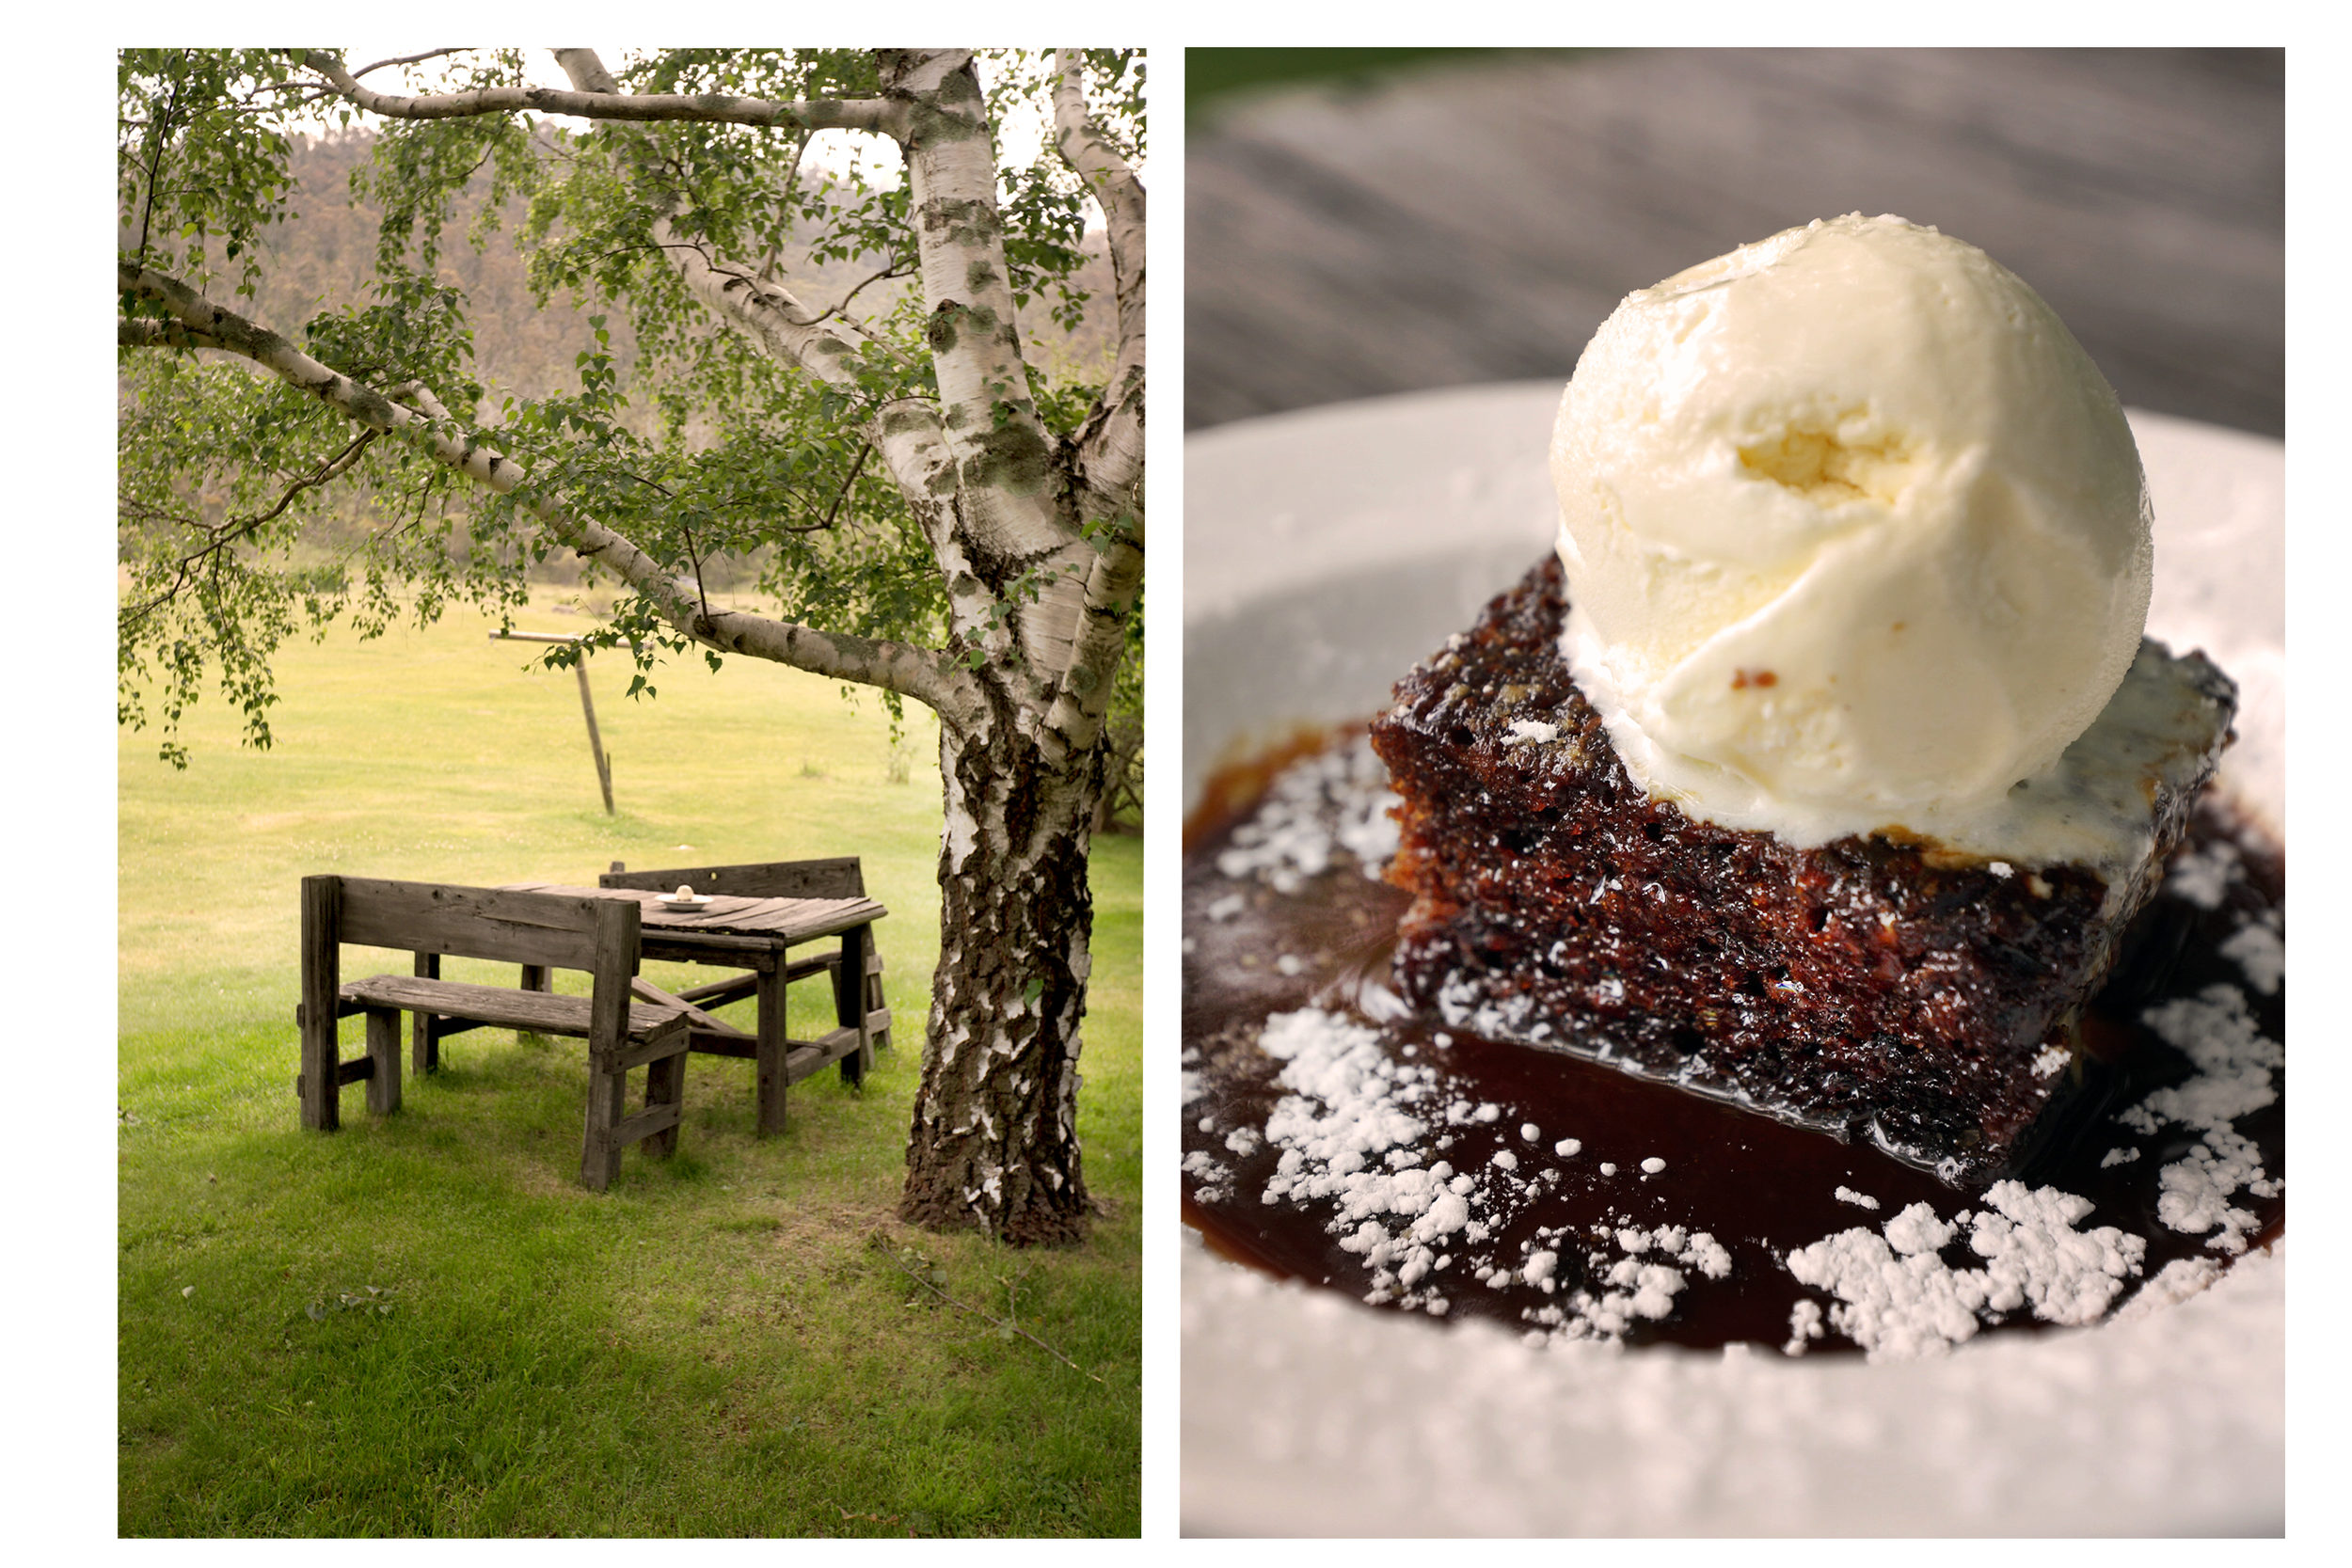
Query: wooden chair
(841, 877)
(535, 929)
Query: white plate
(1325, 551)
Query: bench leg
(875, 1008)
(600, 1151)
(666, 1085)
(322, 977)
(768, 1087)
(322, 1071)
(426, 1053)
(848, 1004)
(384, 1055)
(537, 977)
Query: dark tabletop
(788, 920)
(1476, 219)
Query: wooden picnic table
(756, 936)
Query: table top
(1475, 220)
(781, 920)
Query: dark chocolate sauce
(1760, 1187)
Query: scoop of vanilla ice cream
(1854, 531)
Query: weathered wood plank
(641, 987)
(811, 1056)
(427, 1030)
(671, 1040)
(669, 945)
(540, 1012)
(665, 1090)
(322, 959)
(352, 1070)
(718, 993)
(770, 1080)
(600, 1149)
(644, 1124)
(839, 877)
(809, 967)
(613, 965)
(877, 1010)
(743, 1048)
(793, 920)
(383, 1061)
(848, 1004)
(481, 923)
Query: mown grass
(725, 1343)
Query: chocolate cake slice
(1875, 986)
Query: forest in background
(322, 260)
(323, 257)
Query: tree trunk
(994, 1143)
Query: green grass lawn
(422, 1325)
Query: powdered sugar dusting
(1337, 799)
(2203, 876)
(1899, 1299)
(2256, 948)
(2234, 1066)
(1351, 1132)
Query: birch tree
(935, 518)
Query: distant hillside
(323, 256)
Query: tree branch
(148, 332)
(407, 59)
(219, 536)
(842, 309)
(922, 674)
(1110, 443)
(823, 114)
(908, 431)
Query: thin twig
(842, 309)
(223, 534)
(834, 511)
(408, 59)
(998, 1323)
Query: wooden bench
(540, 932)
(842, 877)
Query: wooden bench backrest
(553, 929)
(839, 877)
